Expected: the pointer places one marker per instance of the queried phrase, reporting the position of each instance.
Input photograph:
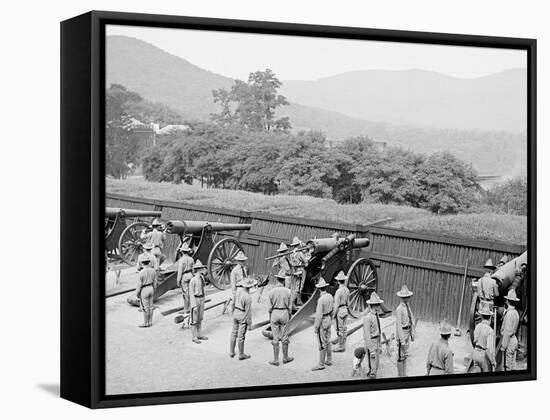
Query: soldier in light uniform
(237, 275)
(242, 318)
(156, 238)
(279, 315)
(440, 356)
(483, 356)
(503, 261)
(487, 286)
(322, 325)
(372, 334)
(341, 311)
(153, 262)
(145, 291)
(404, 326)
(185, 274)
(508, 331)
(196, 299)
(298, 263)
(282, 263)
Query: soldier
(372, 334)
(322, 325)
(510, 324)
(238, 273)
(153, 262)
(341, 311)
(279, 315)
(282, 263)
(242, 318)
(483, 356)
(196, 299)
(440, 356)
(298, 262)
(404, 325)
(488, 287)
(185, 274)
(145, 291)
(503, 261)
(156, 238)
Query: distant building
(147, 133)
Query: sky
(303, 58)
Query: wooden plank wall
(431, 265)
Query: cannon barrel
(180, 227)
(324, 245)
(114, 211)
(508, 272)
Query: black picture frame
(83, 204)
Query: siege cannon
(123, 238)
(328, 257)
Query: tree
(510, 197)
(252, 104)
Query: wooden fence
(431, 265)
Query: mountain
(162, 77)
(421, 98)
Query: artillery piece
(122, 240)
(198, 236)
(328, 257)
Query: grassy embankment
(499, 227)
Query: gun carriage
(328, 257)
(123, 229)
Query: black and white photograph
(286, 209)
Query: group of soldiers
(291, 263)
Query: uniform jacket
(279, 297)
(440, 356)
(238, 273)
(155, 237)
(196, 290)
(510, 323)
(340, 298)
(402, 320)
(484, 337)
(243, 307)
(185, 263)
(283, 264)
(146, 277)
(297, 259)
(325, 306)
(488, 288)
(371, 329)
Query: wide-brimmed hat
(445, 329)
(148, 245)
(404, 292)
(248, 282)
(511, 295)
(504, 259)
(198, 265)
(282, 247)
(240, 256)
(485, 309)
(489, 264)
(295, 241)
(374, 299)
(341, 276)
(321, 283)
(156, 223)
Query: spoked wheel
(473, 316)
(130, 244)
(362, 281)
(221, 262)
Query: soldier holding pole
(196, 299)
(322, 325)
(510, 324)
(341, 311)
(298, 263)
(488, 287)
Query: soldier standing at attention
(279, 315)
(341, 311)
(153, 262)
(488, 288)
(404, 325)
(510, 324)
(242, 318)
(322, 325)
(483, 355)
(156, 238)
(185, 274)
(237, 275)
(196, 299)
(145, 291)
(372, 334)
(440, 356)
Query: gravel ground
(163, 358)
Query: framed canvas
(292, 209)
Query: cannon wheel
(473, 316)
(130, 244)
(220, 262)
(362, 281)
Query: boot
(275, 361)
(340, 348)
(286, 358)
(328, 362)
(151, 318)
(194, 332)
(242, 355)
(405, 367)
(400, 369)
(232, 343)
(199, 333)
(145, 320)
(321, 365)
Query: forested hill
(162, 77)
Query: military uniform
(483, 355)
(279, 307)
(297, 262)
(372, 337)
(150, 257)
(242, 321)
(341, 315)
(238, 273)
(145, 291)
(404, 324)
(156, 238)
(185, 263)
(440, 358)
(322, 328)
(488, 289)
(508, 331)
(196, 299)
